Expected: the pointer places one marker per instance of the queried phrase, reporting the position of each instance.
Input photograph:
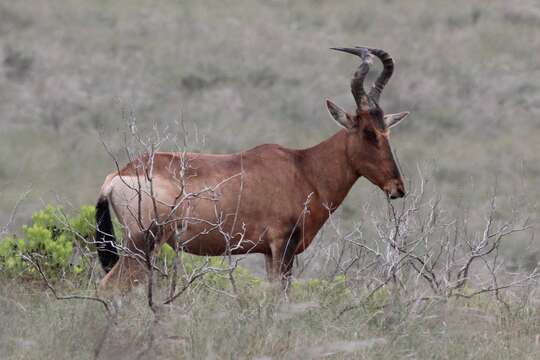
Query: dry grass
(206, 325)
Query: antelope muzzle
(395, 189)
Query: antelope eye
(376, 113)
(377, 118)
(370, 136)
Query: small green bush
(50, 239)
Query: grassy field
(229, 75)
(207, 325)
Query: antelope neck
(329, 170)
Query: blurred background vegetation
(243, 73)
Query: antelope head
(368, 128)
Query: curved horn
(388, 69)
(357, 82)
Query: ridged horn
(357, 82)
(388, 69)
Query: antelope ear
(393, 119)
(339, 115)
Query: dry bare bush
(417, 251)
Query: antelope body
(270, 199)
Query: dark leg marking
(289, 250)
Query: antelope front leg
(285, 271)
(271, 274)
(279, 266)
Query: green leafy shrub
(50, 239)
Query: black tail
(107, 252)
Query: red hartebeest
(269, 200)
